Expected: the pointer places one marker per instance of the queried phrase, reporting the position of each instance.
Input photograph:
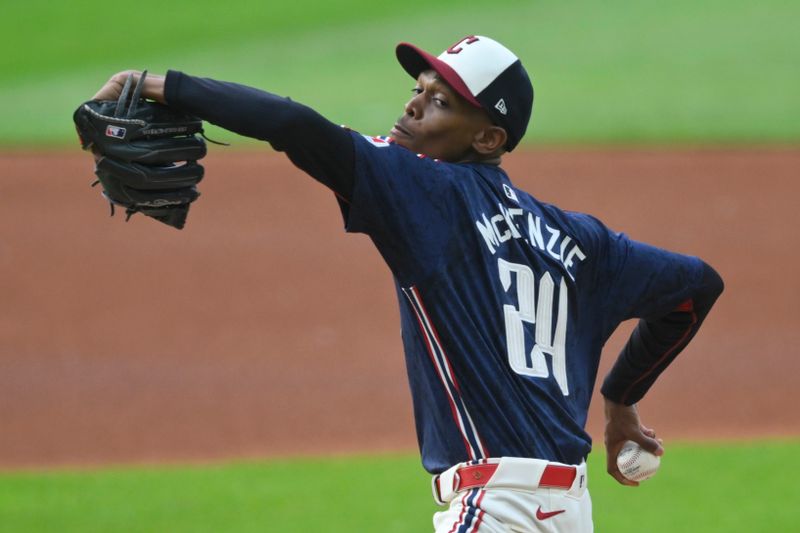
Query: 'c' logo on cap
(455, 49)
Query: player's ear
(489, 140)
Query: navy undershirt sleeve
(656, 342)
(313, 143)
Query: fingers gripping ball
(636, 463)
(146, 154)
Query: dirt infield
(263, 329)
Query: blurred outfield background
(615, 72)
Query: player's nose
(413, 107)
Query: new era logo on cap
(486, 74)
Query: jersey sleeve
(313, 143)
(670, 293)
(644, 281)
(405, 203)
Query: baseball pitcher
(505, 301)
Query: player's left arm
(672, 294)
(319, 147)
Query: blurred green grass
(734, 487)
(604, 72)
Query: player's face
(438, 122)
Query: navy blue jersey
(505, 302)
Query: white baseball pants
(513, 495)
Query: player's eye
(416, 90)
(440, 102)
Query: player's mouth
(398, 130)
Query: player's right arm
(671, 294)
(655, 342)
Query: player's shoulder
(583, 228)
(568, 218)
(587, 223)
(378, 141)
(382, 158)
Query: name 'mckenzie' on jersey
(502, 318)
(550, 240)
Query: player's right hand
(623, 424)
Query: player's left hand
(623, 424)
(145, 152)
(152, 86)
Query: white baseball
(636, 463)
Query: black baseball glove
(146, 154)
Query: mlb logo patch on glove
(146, 154)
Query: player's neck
(476, 158)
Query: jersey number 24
(540, 314)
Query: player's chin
(401, 140)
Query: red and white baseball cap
(486, 74)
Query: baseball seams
(637, 464)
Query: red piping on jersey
(685, 307)
(453, 408)
(438, 340)
(342, 198)
(449, 368)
